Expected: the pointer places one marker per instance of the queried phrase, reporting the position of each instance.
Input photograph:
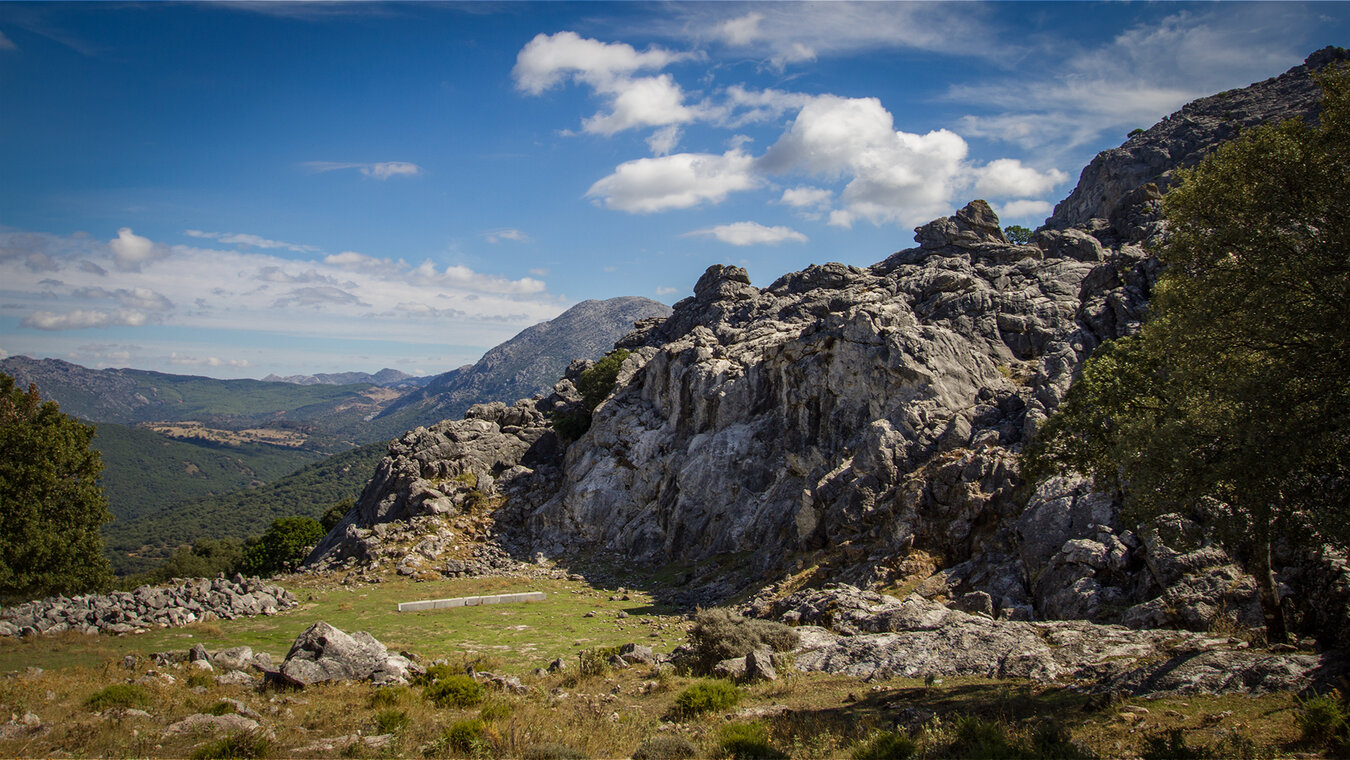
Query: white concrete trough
(471, 601)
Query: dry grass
(608, 713)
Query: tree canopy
(51, 505)
(282, 547)
(1236, 391)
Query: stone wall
(184, 601)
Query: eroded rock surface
(324, 653)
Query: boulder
(323, 653)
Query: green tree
(1235, 391)
(51, 505)
(595, 383)
(282, 547)
(1018, 234)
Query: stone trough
(471, 601)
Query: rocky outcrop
(863, 424)
(1107, 188)
(187, 601)
(916, 638)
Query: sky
(240, 189)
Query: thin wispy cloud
(380, 170)
(247, 240)
(506, 235)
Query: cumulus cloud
(678, 181)
(549, 59)
(250, 241)
(84, 318)
(1008, 178)
(131, 251)
(893, 176)
(379, 170)
(750, 233)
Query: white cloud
(250, 241)
(353, 260)
(682, 180)
(665, 291)
(893, 176)
(83, 318)
(513, 235)
(379, 170)
(318, 295)
(1023, 209)
(741, 30)
(664, 140)
(131, 251)
(641, 102)
(210, 361)
(807, 197)
(750, 233)
(7, 44)
(1008, 178)
(548, 60)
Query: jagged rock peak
(974, 225)
(1185, 137)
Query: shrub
(334, 514)
(594, 384)
(119, 695)
(199, 681)
(720, 634)
(1323, 719)
(747, 740)
(241, 744)
(884, 745)
(1136, 131)
(665, 747)
(594, 662)
(977, 738)
(391, 721)
(454, 691)
(706, 696)
(1018, 234)
(282, 547)
(435, 673)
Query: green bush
(884, 745)
(435, 673)
(595, 384)
(454, 691)
(241, 744)
(334, 514)
(283, 547)
(706, 696)
(665, 747)
(745, 741)
(720, 634)
(388, 696)
(495, 710)
(119, 695)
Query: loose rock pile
(188, 601)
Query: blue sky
(247, 188)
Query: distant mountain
(527, 364)
(325, 418)
(385, 378)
